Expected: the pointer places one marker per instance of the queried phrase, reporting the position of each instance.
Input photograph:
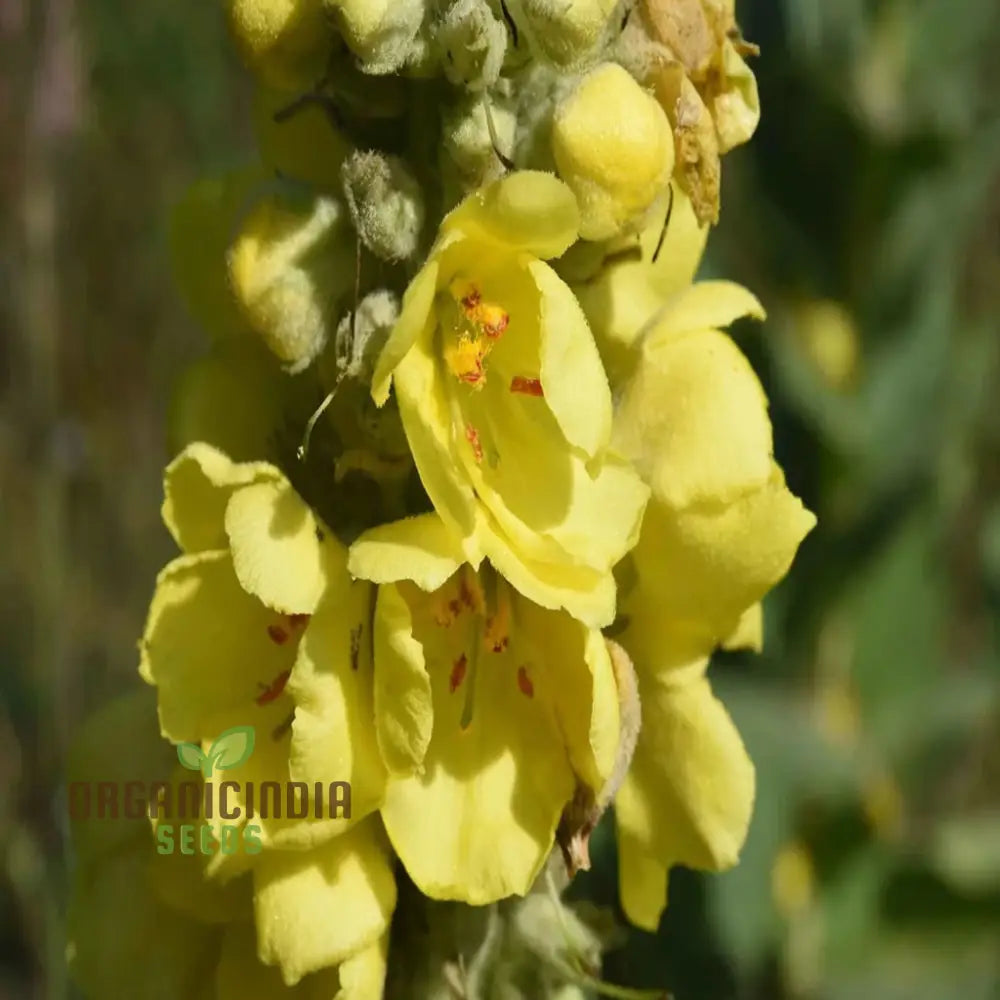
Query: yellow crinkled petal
(362, 976)
(572, 376)
(642, 882)
(197, 486)
(589, 596)
(614, 146)
(120, 743)
(318, 908)
(333, 735)
(736, 108)
(688, 796)
(231, 399)
(239, 974)
(287, 42)
(749, 633)
(404, 713)
(283, 554)
(694, 421)
(207, 646)
(628, 293)
(705, 305)
(528, 211)
(587, 702)
(417, 313)
(478, 823)
(420, 548)
(202, 225)
(120, 938)
(708, 563)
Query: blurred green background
(866, 216)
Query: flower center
(471, 327)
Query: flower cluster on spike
(465, 414)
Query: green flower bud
(386, 204)
(614, 147)
(564, 32)
(286, 42)
(360, 338)
(468, 144)
(473, 44)
(290, 268)
(381, 33)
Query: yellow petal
(318, 908)
(282, 553)
(478, 823)
(749, 633)
(527, 211)
(688, 796)
(419, 548)
(208, 646)
(403, 708)
(178, 879)
(333, 735)
(362, 976)
(642, 882)
(694, 420)
(414, 318)
(197, 486)
(704, 305)
(572, 376)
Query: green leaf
(231, 748)
(190, 755)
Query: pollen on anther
(458, 673)
(524, 683)
(526, 386)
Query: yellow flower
(491, 713)
(613, 146)
(258, 623)
(505, 402)
(139, 917)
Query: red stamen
(458, 673)
(524, 683)
(274, 690)
(472, 436)
(277, 634)
(298, 621)
(495, 328)
(527, 386)
(472, 300)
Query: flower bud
(305, 145)
(613, 145)
(565, 32)
(473, 44)
(381, 33)
(290, 267)
(468, 144)
(286, 42)
(386, 204)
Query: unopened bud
(469, 144)
(381, 33)
(473, 44)
(290, 267)
(565, 32)
(386, 204)
(286, 42)
(613, 146)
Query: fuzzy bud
(286, 42)
(386, 204)
(613, 146)
(473, 44)
(289, 268)
(562, 32)
(381, 33)
(469, 145)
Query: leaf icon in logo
(230, 749)
(190, 755)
